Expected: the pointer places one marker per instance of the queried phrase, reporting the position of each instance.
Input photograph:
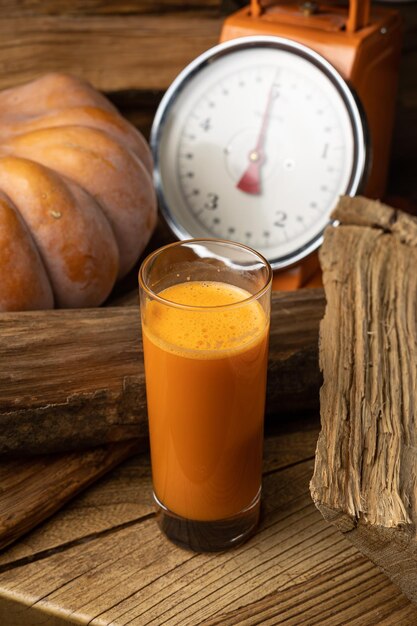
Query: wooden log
(74, 379)
(365, 478)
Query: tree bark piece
(365, 478)
(74, 379)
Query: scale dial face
(254, 142)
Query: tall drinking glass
(205, 310)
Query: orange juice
(205, 382)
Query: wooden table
(102, 560)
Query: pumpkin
(77, 203)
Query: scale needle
(250, 181)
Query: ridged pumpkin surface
(77, 204)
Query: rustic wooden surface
(72, 379)
(114, 51)
(99, 7)
(365, 478)
(102, 560)
(33, 489)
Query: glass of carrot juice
(205, 310)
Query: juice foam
(206, 332)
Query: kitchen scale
(257, 138)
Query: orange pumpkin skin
(23, 276)
(76, 195)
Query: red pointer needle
(250, 182)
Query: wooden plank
(126, 495)
(112, 52)
(33, 489)
(99, 7)
(74, 379)
(296, 571)
(365, 478)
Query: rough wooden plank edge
(365, 476)
(377, 215)
(74, 379)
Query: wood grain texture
(76, 386)
(33, 489)
(74, 379)
(112, 52)
(365, 478)
(99, 7)
(297, 570)
(126, 495)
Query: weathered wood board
(102, 561)
(74, 379)
(365, 478)
(33, 489)
(29, 8)
(114, 52)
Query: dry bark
(365, 478)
